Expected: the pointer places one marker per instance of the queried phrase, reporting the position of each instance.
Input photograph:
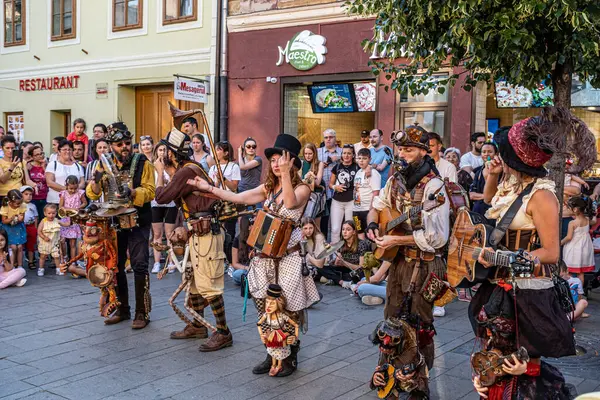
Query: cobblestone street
(55, 346)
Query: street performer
(524, 317)
(417, 267)
(285, 195)
(137, 174)
(206, 241)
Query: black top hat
(117, 131)
(285, 142)
(178, 142)
(274, 290)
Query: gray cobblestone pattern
(53, 345)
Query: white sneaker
(59, 272)
(439, 311)
(346, 284)
(21, 282)
(40, 272)
(171, 268)
(156, 268)
(372, 300)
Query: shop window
(127, 14)
(303, 120)
(177, 11)
(63, 19)
(14, 22)
(431, 111)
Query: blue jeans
(237, 275)
(372, 289)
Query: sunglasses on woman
(251, 146)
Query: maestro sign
(305, 51)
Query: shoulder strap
(501, 227)
(55, 165)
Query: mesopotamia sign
(305, 51)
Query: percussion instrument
(330, 249)
(99, 276)
(128, 220)
(270, 234)
(66, 213)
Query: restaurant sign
(49, 83)
(305, 51)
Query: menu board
(365, 94)
(515, 96)
(16, 124)
(332, 98)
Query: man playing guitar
(419, 267)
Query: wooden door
(152, 114)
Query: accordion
(270, 234)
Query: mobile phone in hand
(18, 154)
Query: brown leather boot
(140, 322)
(117, 317)
(191, 332)
(216, 342)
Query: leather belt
(200, 214)
(414, 254)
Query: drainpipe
(217, 99)
(223, 81)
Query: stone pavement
(53, 345)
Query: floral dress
(72, 201)
(299, 291)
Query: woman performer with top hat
(285, 194)
(509, 312)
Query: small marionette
(402, 367)
(101, 265)
(274, 336)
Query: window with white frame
(14, 22)
(177, 11)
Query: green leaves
(519, 39)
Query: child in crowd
(13, 214)
(31, 223)
(576, 291)
(49, 238)
(366, 187)
(78, 134)
(9, 276)
(315, 243)
(578, 251)
(71, 199)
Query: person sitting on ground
(9, 276)
(372, 291)
(577, 293)
(240, 252)
(348, 261)
(315, 244)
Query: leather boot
(143, 302)
(290, 364)
(264, 366)
(117, 317)
(191, 332)
(216, 342)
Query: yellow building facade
(100, 60)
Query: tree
(523, 41)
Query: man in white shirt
(329, 154)
(445, 168)
(471, 160)
(365, 142)
(190, 126)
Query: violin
(487, 365)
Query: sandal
(274, 371)
(32, 265)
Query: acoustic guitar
(391, 220)
(467, 240)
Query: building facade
(101, 60)
(299, 69)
